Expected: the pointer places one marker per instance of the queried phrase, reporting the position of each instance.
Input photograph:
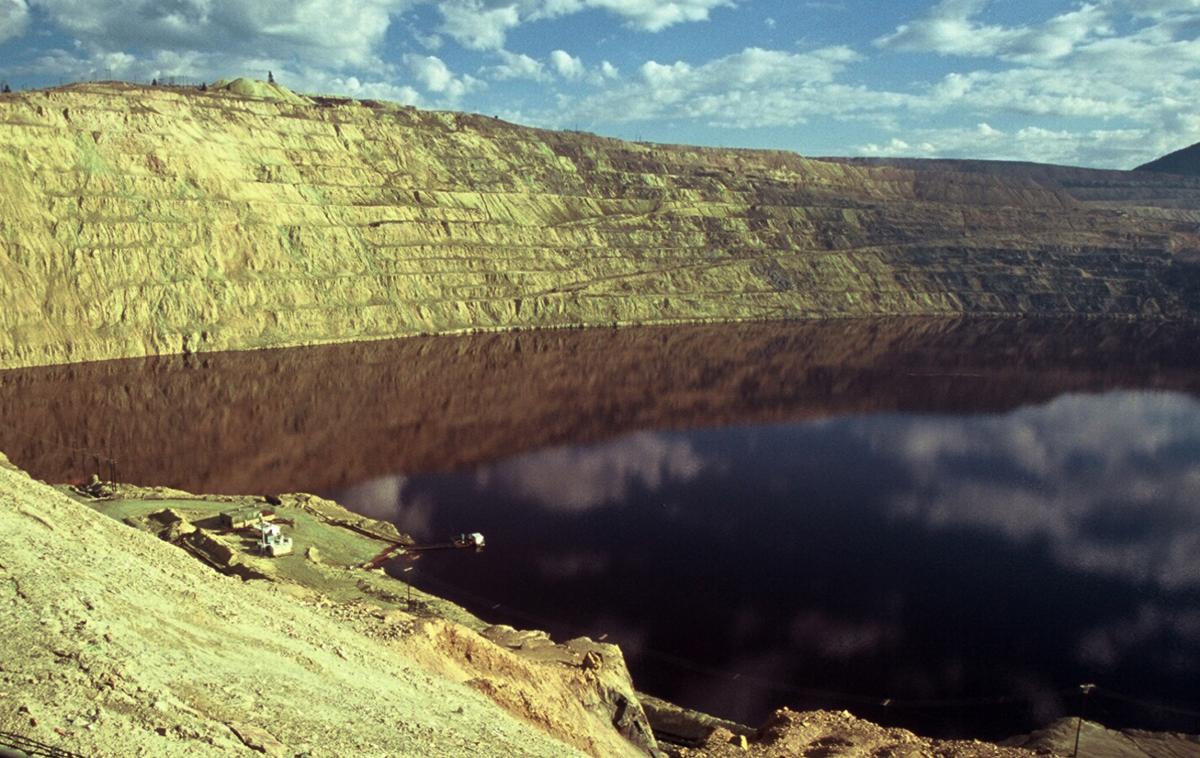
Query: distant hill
(1185, 161)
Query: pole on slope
(1085, 690)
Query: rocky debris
(685, 727)
(174, 525)
(96, 488)
(592, 661)
(115, 643)
(1098, 741)
(531, 640)
(825, 734)
(130, 236)
(596, 670)
(258, 739)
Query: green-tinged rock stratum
(138, 220)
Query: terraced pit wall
(138, 221)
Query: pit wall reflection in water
(326, 417)
(912, 556)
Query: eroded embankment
(115, 643)
(138, 221)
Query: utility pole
(1085, 690)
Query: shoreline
(208, 351)
(593, 689)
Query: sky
(1109, 83)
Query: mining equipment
(461, 542)
(272, 541)
(474, 539)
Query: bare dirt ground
(1098, 741)
(823, 734)
(115, 643)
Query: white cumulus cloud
(319, 32)
(14, 19)
(435, 76)
(950, 28)
(567, 65)
(646, 15)
(475, 25)
(484, 24)
(517, 66)
(756, 87)
(654, 15)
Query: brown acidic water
(967, 520)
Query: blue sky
(1108, 83)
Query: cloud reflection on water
(578, 479)
(830, 636)
(921, 556)
(383, 498)
(573, 564)
(1151, 625)
(1109, 483)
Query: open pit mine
(144, 221)
(152, 220)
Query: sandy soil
(114, 643)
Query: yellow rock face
(138, 221)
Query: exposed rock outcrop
(834, 733)
(137, 221)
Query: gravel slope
(113, 643)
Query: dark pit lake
(945, 525)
